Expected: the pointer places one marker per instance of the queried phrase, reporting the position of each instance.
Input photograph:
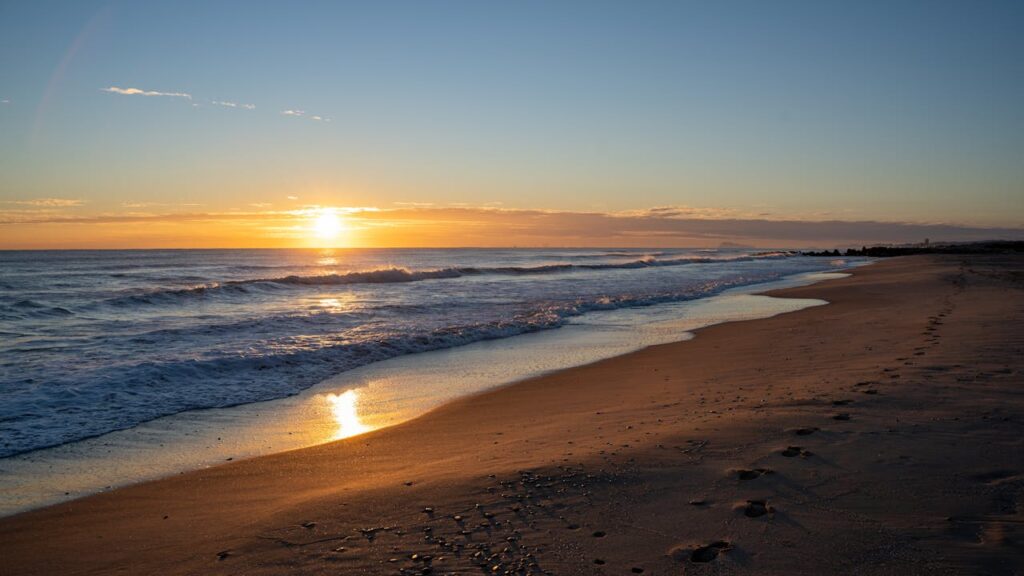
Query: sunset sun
(327, 225)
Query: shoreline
(727, 452)
(378, 395)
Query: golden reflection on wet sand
(343, 409)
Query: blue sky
(894, 111)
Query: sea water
(97, 342)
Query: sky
(480, 123)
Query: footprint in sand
(792, 451)
(701, 553)
(746, 474)
(756, 508)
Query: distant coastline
(888, 251)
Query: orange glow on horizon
(327, 226)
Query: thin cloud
(674, 227)
(142, 204)
(15, 217)
(48, 202)
(687, 212)
(293, 112)
(302, 114)
(5, 101)
(155, 204)
(140, 92)
(227, 104)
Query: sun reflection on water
(343, 409)
(333, 303)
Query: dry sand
(882, 434)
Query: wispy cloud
(302, 114)
(140, 92)
(156, 204)
(5, 101)
(47, 202)
(199, 102)
(685, 212)
(227, 104)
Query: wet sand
(881, 434)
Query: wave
(124, 395)
(31, 309)
(613, 254)
(396, 275)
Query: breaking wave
(393, 275)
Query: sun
(327, 225)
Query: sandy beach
(880, 434)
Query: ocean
(93, 342)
